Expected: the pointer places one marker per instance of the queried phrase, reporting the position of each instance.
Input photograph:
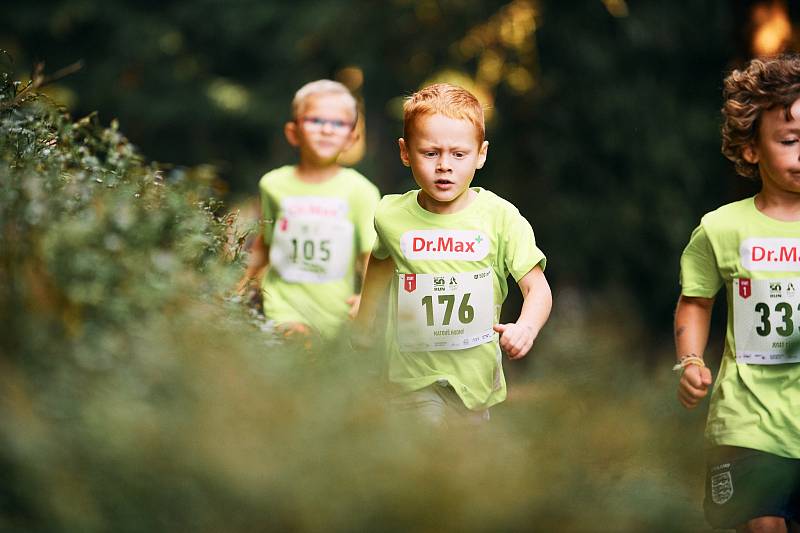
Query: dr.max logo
(315, 207)
(445, 244)
(419, 244)
(770, 254)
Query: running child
(317, 219)
(446, 250)
(752, 248)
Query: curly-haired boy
(752, 248)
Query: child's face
(323, 129)
(443, 154)
(777, 151)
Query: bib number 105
(310, 250)
(465, 311)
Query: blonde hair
(764, 84)
(320, 87)
(444, 99)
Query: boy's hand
(693, 385)
(361, 340)
(515, 339)
(354, 302)
(243, 285)
(290, 330)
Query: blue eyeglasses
(317, 124)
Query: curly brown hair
(764, 84)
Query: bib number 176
(448, 311)
(465, 311)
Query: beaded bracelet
(687, 360)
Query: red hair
(444, 99)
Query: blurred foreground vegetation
(134, 396)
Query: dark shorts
(742, 484)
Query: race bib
(313, 241)
(445, 311)
(766, 320)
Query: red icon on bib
(410, 282)
(744, 288)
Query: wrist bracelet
(687, 360)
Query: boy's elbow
(695, 301)
(547, 295)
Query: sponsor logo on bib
(314, 206)
(410, 282)
(444, 244)
(745, 289)
(770, 254)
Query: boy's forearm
(258, 258)
(361, 267)
(377, 277)
(537, 300)
(692, 323)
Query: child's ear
(290, 130)
(750, 154)
(482, 152)
(352, 138)
(403, 151)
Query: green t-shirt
(755, 402)
(315, 232)
(450, 282)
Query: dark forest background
(604, 121)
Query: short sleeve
(380, 250)
(366, 203)
(699, 272)
(522, 254)
(267, 211)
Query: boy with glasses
(317, 220)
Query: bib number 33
(766, 324)
(450, 311)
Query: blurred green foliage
(135, 397)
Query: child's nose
(443, 164)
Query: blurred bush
(135, 397)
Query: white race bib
(313, 241)
(766, 320)
(445, 311)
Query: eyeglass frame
(318, 124)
